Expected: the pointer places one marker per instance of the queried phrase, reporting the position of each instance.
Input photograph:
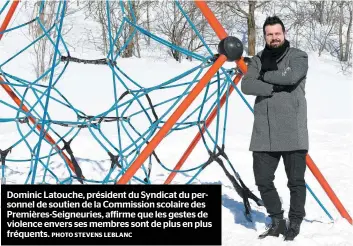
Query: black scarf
(270, 56)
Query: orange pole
(221, 33)
(218, 29)
(172, 120)
(8, 17)
(39, 127)
(17, 100)
(198, 135)
(324, 184)
(211, 19)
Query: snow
(330, 122)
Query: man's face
(274, 35)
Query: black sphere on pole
(231, 47)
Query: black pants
(265, 165)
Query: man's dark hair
(273, 20)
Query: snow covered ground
(330, 121)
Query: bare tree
(326, 28)
(148, 23)
(340, 31)
(349, 31)
(313, 24)
(133, 14)
(173, 25)
(321, 26)
(43, 49)
(122, 18)
(246, 10)
(319, 11)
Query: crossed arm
(251, 85)
(289, 76)
(295, 72)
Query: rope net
(48, 123)
(45, 120)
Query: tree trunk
(349, 29)
(130, 47)
(251, 29)
(296, 36)
(104, 31)
(175, 35)
(148, 23)
(191, 44)
(43, 51)
(321, 12)
(340, 32)
(138, 49)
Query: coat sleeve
(295, 72)
(250, 85)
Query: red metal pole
(330, 193)
(172, 120)
(221, 33)
(218, 29)
(199, 134)
(8, 17)
(211, 19)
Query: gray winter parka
(280, 119)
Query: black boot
(277, 227)
(293, 230)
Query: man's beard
(276, 45)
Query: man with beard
(277, 76)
